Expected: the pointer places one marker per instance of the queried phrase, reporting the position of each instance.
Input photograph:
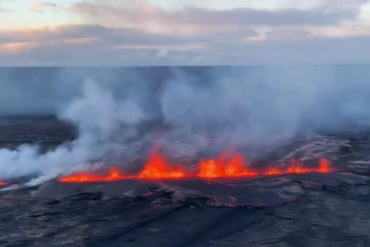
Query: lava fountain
(227, 165)
(159, 168)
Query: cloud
(136, 32)
(2, 10)
(97, 45)
(192, 20)
(88, 44)
(16, 47)
(37, 5)
(235, 4)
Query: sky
(183, 32)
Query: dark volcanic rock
(47, 132)
(291, 210)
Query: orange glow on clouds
(14, 47)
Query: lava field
(308, 208)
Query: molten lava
(324, 166)
(2, 183)
(227, 165)
(235, 166)
(298, 168)
(158, 167)
(85, 177)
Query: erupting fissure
(85, 177)
(228, 165)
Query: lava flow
(228, 165)
(298, 168)
(85, 177)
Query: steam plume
(247, 107)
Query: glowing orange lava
(157, 168)
(324, 166)
(227, 165)
(2, 183)
(298, 168)
(235, 166)
(85, 177)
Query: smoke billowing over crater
(191, 113)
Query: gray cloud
(113, 36)
(94, 45)
(207, 17)
(149, 35)
(261, 17)
(97, 45)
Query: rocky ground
(290, 210)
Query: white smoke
(98, 117)
(260, 106)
